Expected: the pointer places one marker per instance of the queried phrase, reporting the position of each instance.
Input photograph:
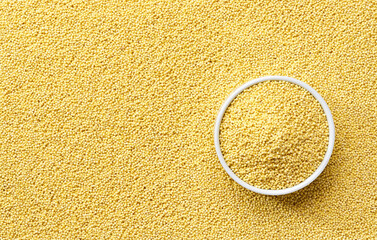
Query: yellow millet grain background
(274, 135)
(107, 111)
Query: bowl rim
(320, 168)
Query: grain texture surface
(107, 111)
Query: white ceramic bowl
(316, 173)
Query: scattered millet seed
(274, 135)
(107, 111)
